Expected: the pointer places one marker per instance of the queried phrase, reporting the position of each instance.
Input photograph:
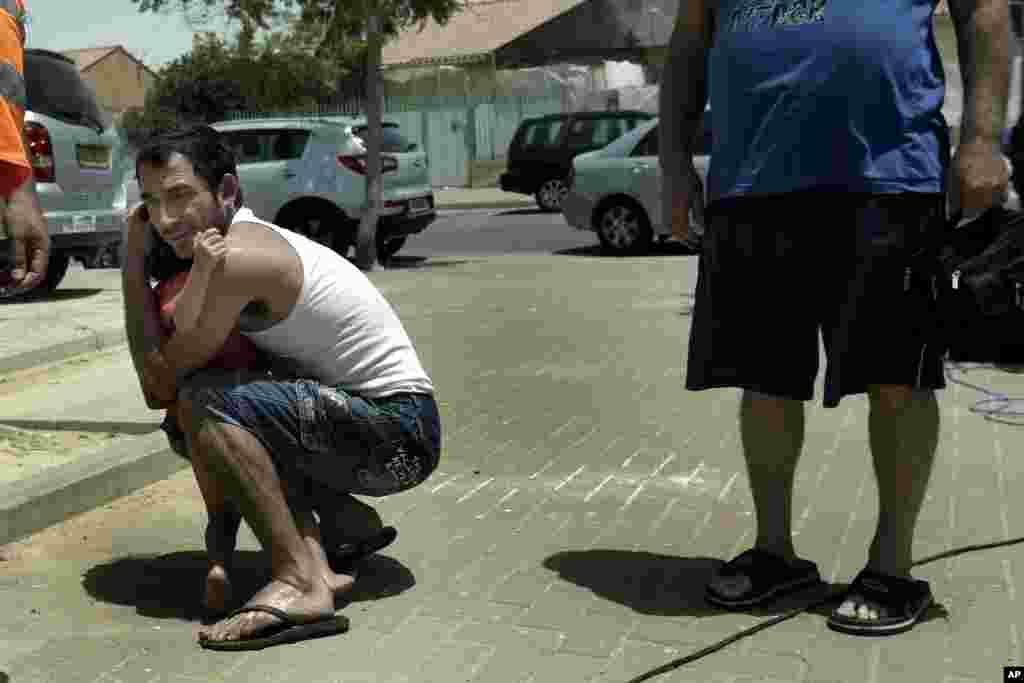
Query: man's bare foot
(340, 584)
(217, 593)
(302, 606)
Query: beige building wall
(120, 82)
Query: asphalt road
(497, 231)
(455, 232)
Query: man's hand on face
(209, 251)
(980, 177)
(138, 236)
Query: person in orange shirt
(24, 227)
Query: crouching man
(353, 413)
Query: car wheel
(623, 228)
(551, 194)
(388, 248)
(320, 224)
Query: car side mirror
(412, 147)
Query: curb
(485, 205)
(51, 497)
(95, 340)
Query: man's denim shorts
(352, 444)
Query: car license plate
(417, 205)
(81, 224)
(94, 157)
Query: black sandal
(285, 630)
(342, 556)
(760, 576)
(903, 600)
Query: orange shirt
(16, 167)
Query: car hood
(589, 156)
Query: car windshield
(394, 142)
(624, 145)
(53, 88)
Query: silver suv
(76, 158)
(310, 176)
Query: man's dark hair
(204, 147)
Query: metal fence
(455, 131)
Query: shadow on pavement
(170, 586)
(37, 297)
(670, 586)
(92, 426)
(524, 212)
(667, 249)
(422, 262)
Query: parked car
(616, 191)
(309, 175)
(76, 157)
(541, 152)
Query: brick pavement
(583, 500)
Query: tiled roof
(475, 33)
(87, 57)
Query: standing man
(829, 165)
(352, 413)
(23, 219)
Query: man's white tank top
(341, 331)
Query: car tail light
(357, 164)
(40, 152)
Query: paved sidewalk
(583, 499)
(480, 198)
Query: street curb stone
(94, 340)
(486, 205)
(52, 496)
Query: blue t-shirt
(838, 94)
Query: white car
(76, 159)
(616, 191)
(309, 175)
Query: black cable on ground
(997, 408)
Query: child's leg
(221, 536)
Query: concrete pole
(366, 239)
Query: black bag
(978, 279)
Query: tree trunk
(366, 239)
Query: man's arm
(26, 225)
(191, 300)
(683, 98)
(142, 321)
(209, 249)
(984, 44)
(684, 85)
(241, 277)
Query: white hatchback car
(309, 175)
(616, 191)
